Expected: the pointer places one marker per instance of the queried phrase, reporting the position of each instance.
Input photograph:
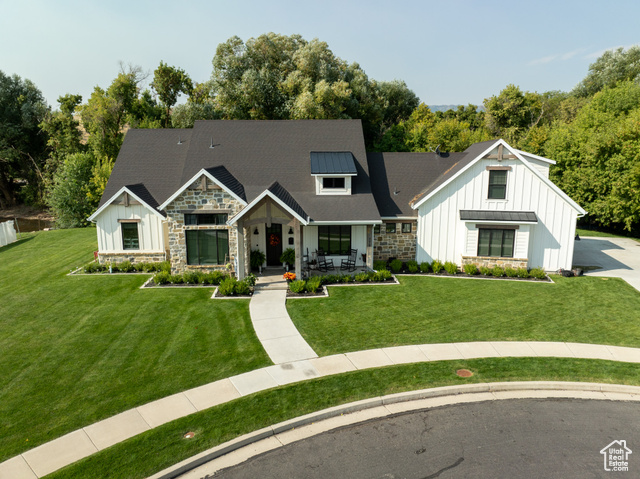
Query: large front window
(334, 239)
(496, 242)
(207, 246)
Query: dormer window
(333, 171)
(335, 183)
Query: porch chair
(350, 263)
(323, 263)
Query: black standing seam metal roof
(332, 163)
(484, 215)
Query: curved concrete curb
(286, 432)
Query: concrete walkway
(274, 328)
(76, 445)
(609, 257)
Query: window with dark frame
(130, 238)
(334, 239)
(207, 246)
(205, 219)
(497, 184)
(406, 227)
(496, 242)
(390, 227)
(333, 183)
(376, 229)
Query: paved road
(530, 438)
(613, 257)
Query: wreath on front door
(274, 240)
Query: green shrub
(379, 264)
(251, 279)
(451, 267)
(242, 288)
(537, 273)
(437, 266)
(190, 277)
(227, 286)
(522, 273)
(346, 278)
(485, 271)
(176, 279)
(214, 277)
(288, 256)
(297, 286)
(112, 267)
(257, 258)
(164, 266)
(371, 275)
(412, 266)
(140, 267)
(396, 265)
(425, 267)
(510, 272)
(90, 268)
(161, 278)
(330, 279)
(313, 284)
(497, 271)
(471, 269)
(126, 267)
(362, 277)
(382, 275)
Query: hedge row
(126, 267)
(438, 267)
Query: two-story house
(203, 198)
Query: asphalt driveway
(611, 257)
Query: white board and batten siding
(150, 229)
(548, 244)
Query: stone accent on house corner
(395, 245)
(491, 261)
(133, 257)
(212, 199)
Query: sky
(447, 51)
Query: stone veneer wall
(395, 245)
(214, 200)
(491, 261)
(133, 257)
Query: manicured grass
(601, 234)
(78, 349)
(155, 450)
(442, 310)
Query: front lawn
(78, 349)
(441, 310)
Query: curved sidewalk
(81, 443)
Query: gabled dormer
(333, 171)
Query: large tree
(22, 144)
(64, 133)
(287, 77)
(612, 67)
(598, 157)
(169, 82)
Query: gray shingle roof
(284, 196)
(336, 162)
(485, 215)
(255, 154)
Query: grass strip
(424, 310)
(159, 448)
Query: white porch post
(370, 240)
(240, 253)
(297, 247)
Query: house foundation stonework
(117, 258)
(195, 200)
(395, 245)
(490, 262)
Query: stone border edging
(440, 392)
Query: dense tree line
(63, 158)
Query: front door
(274, 244)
